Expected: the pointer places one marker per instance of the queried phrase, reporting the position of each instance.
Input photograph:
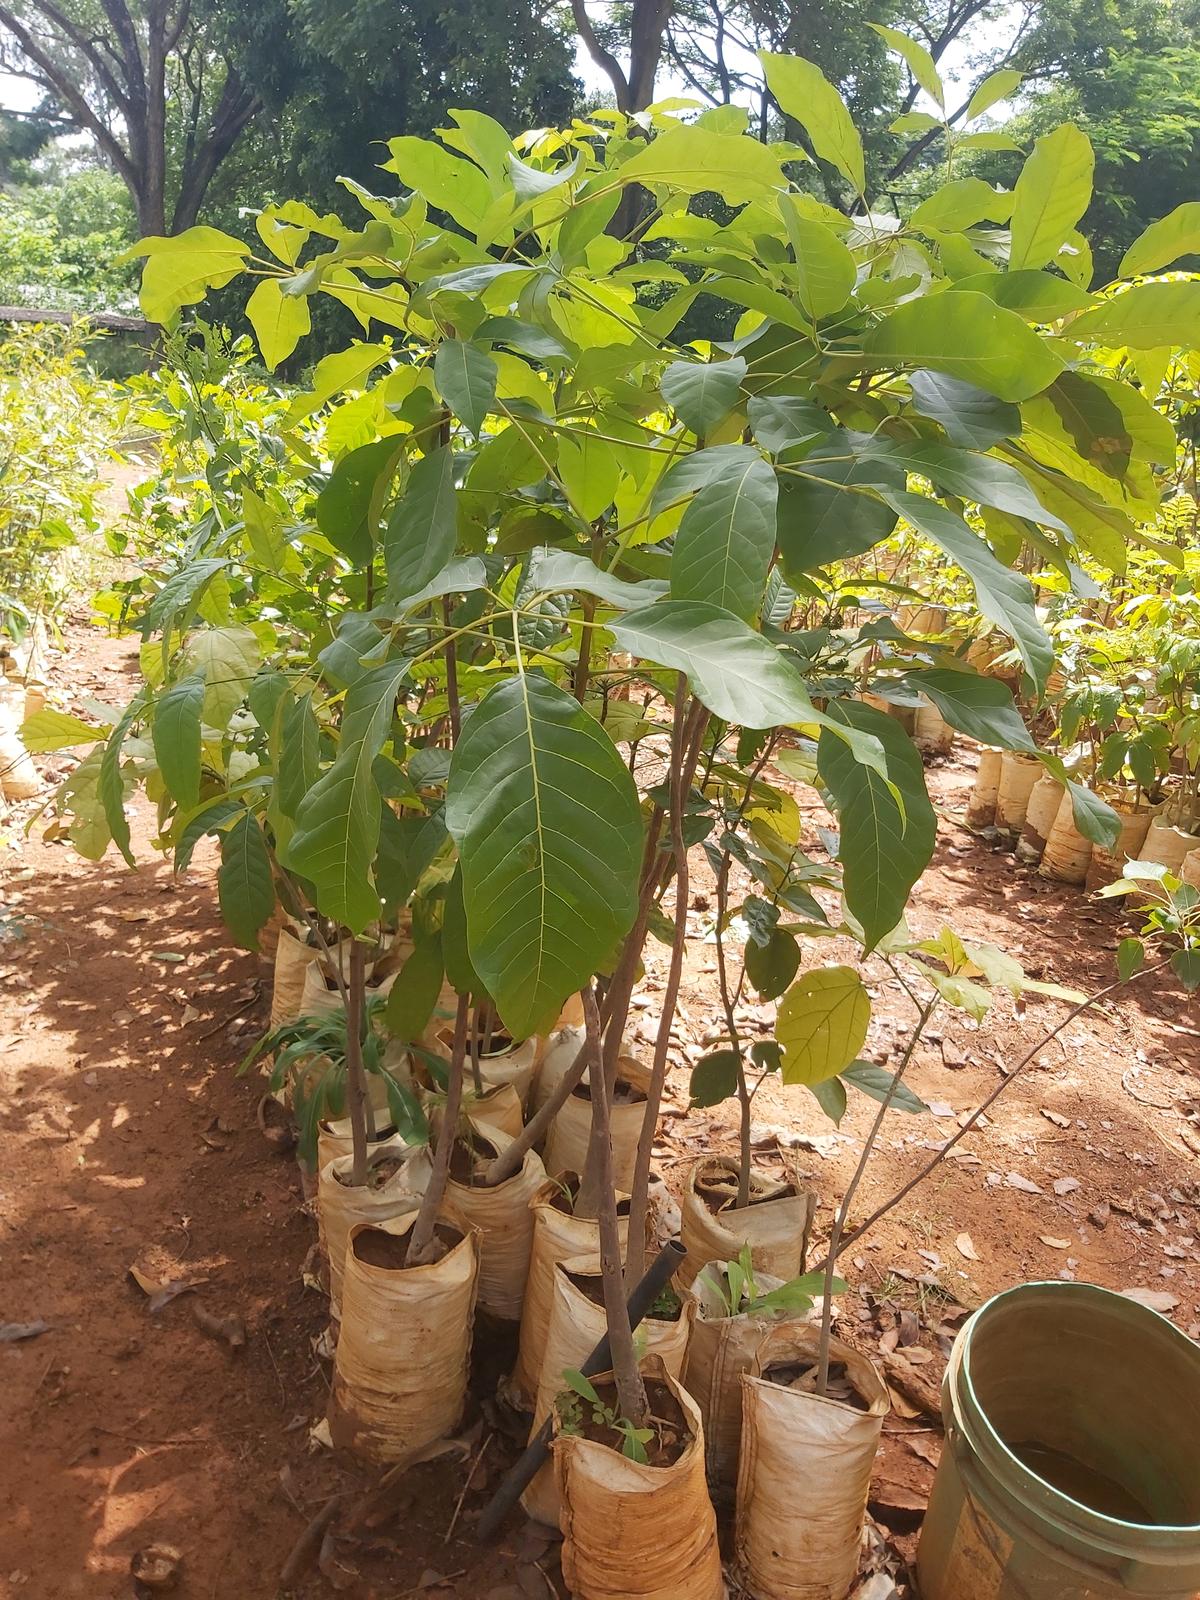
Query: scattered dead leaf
(161, 1291)
(13, 1332)
(1156, 1299)
(1056, 1117)
(1014, 1180)
(156, 1568)
(1066, 1185)
(966, 1247)
(1054, 1244)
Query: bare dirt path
(126, 1139)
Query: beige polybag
(931, 731)
(720, 1349)
(775, 1228)
(558, 1234)
(1106, 865)
(292, 960)
(804, 1473)
(981, 807)
(1189, 872)
(562, 1047)
(498, 1107)
(577, 1325)
(1018, 774)
(567, 1141)
(513, 1065)
(634, 1532)
(335, 1140)
(1167, 845)
(341, 1206)
(1068, 854)
(501, 1220)
(1044, 800)
(400, 1373)
(18, 776)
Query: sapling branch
(357, 1097)
(476, 1073)
(847, 1239)
(658, 1073)
(839, 1222)
(420, 1241)
(631, 1392)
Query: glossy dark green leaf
(415, 990)
(780, 420)
(245, 886)
(884, 845)
(714, 1078)
(703, 393)
(422, 527)
(177, 737)
(549, 833)
(466, 379)
(829, 507)
(877, 1082)
(726, 539)
(970, 416)
(772, 967)
(350, 506)
(983, 708)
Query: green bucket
(1072, 1462)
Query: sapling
(421, 1241)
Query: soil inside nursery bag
(577, 1324)
(638, 1530)
(403, 1354)
(396, 1182)
(499, 1216)
(794, 1545)
(775, 1224)
(558, 1234)
(567, 1141)
(720, 1348)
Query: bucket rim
(959, 1386)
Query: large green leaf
(1036, 296)
(176, 601)
(725, 541)
(1146, 317)
(966, 475)
(177, 737)
(422, 527)
(48, 729)
(566, 571)
(969, 337)
(734, 671)
(970, 416)
(227, 658)
(918, 60)
(549, 834)
(415, 992)
(961, 204)
(466, 379)
(181, 268)
(1051, 195)
(822, 1024)
(110, 785)
(827, 508)
(693, 160)
(279, 321)
(350, 505)
(825, 270)
(983, 708)
(780, 420)
(995, 87)
(806, 94)
(245, 887)
(703, 393)
(337, 822)
(886, 827)
(1005, 597)
(1163, 242)
(1094, 817)
(447, 182)
(298, 764)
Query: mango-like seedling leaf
(245, 886)
(878, 1081)
(714, 1078)
(549, 834)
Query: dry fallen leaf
(13, 1332)
(156, 1567)
(1056, 1117)
(1014, 1180)
(1066, 1185)
(1055, 1244)
(161, 1291)
(1155, 1299)
(966, 1247)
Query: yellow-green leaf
(1051, 195)
(822, 1024)
(181, 268)
(1177, 234)
(279, 321)
(806, 94)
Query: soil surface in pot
(624, 1094)
(378, 1173)
(667, 1308)
(802, 1375)
(379, 1248)
(671, 1434)
(470, 1159)
(719, 1190)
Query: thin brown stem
(637, 1241)
(631, 1392)
(421, 1239)
(843, 1211)
(985, 1105)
